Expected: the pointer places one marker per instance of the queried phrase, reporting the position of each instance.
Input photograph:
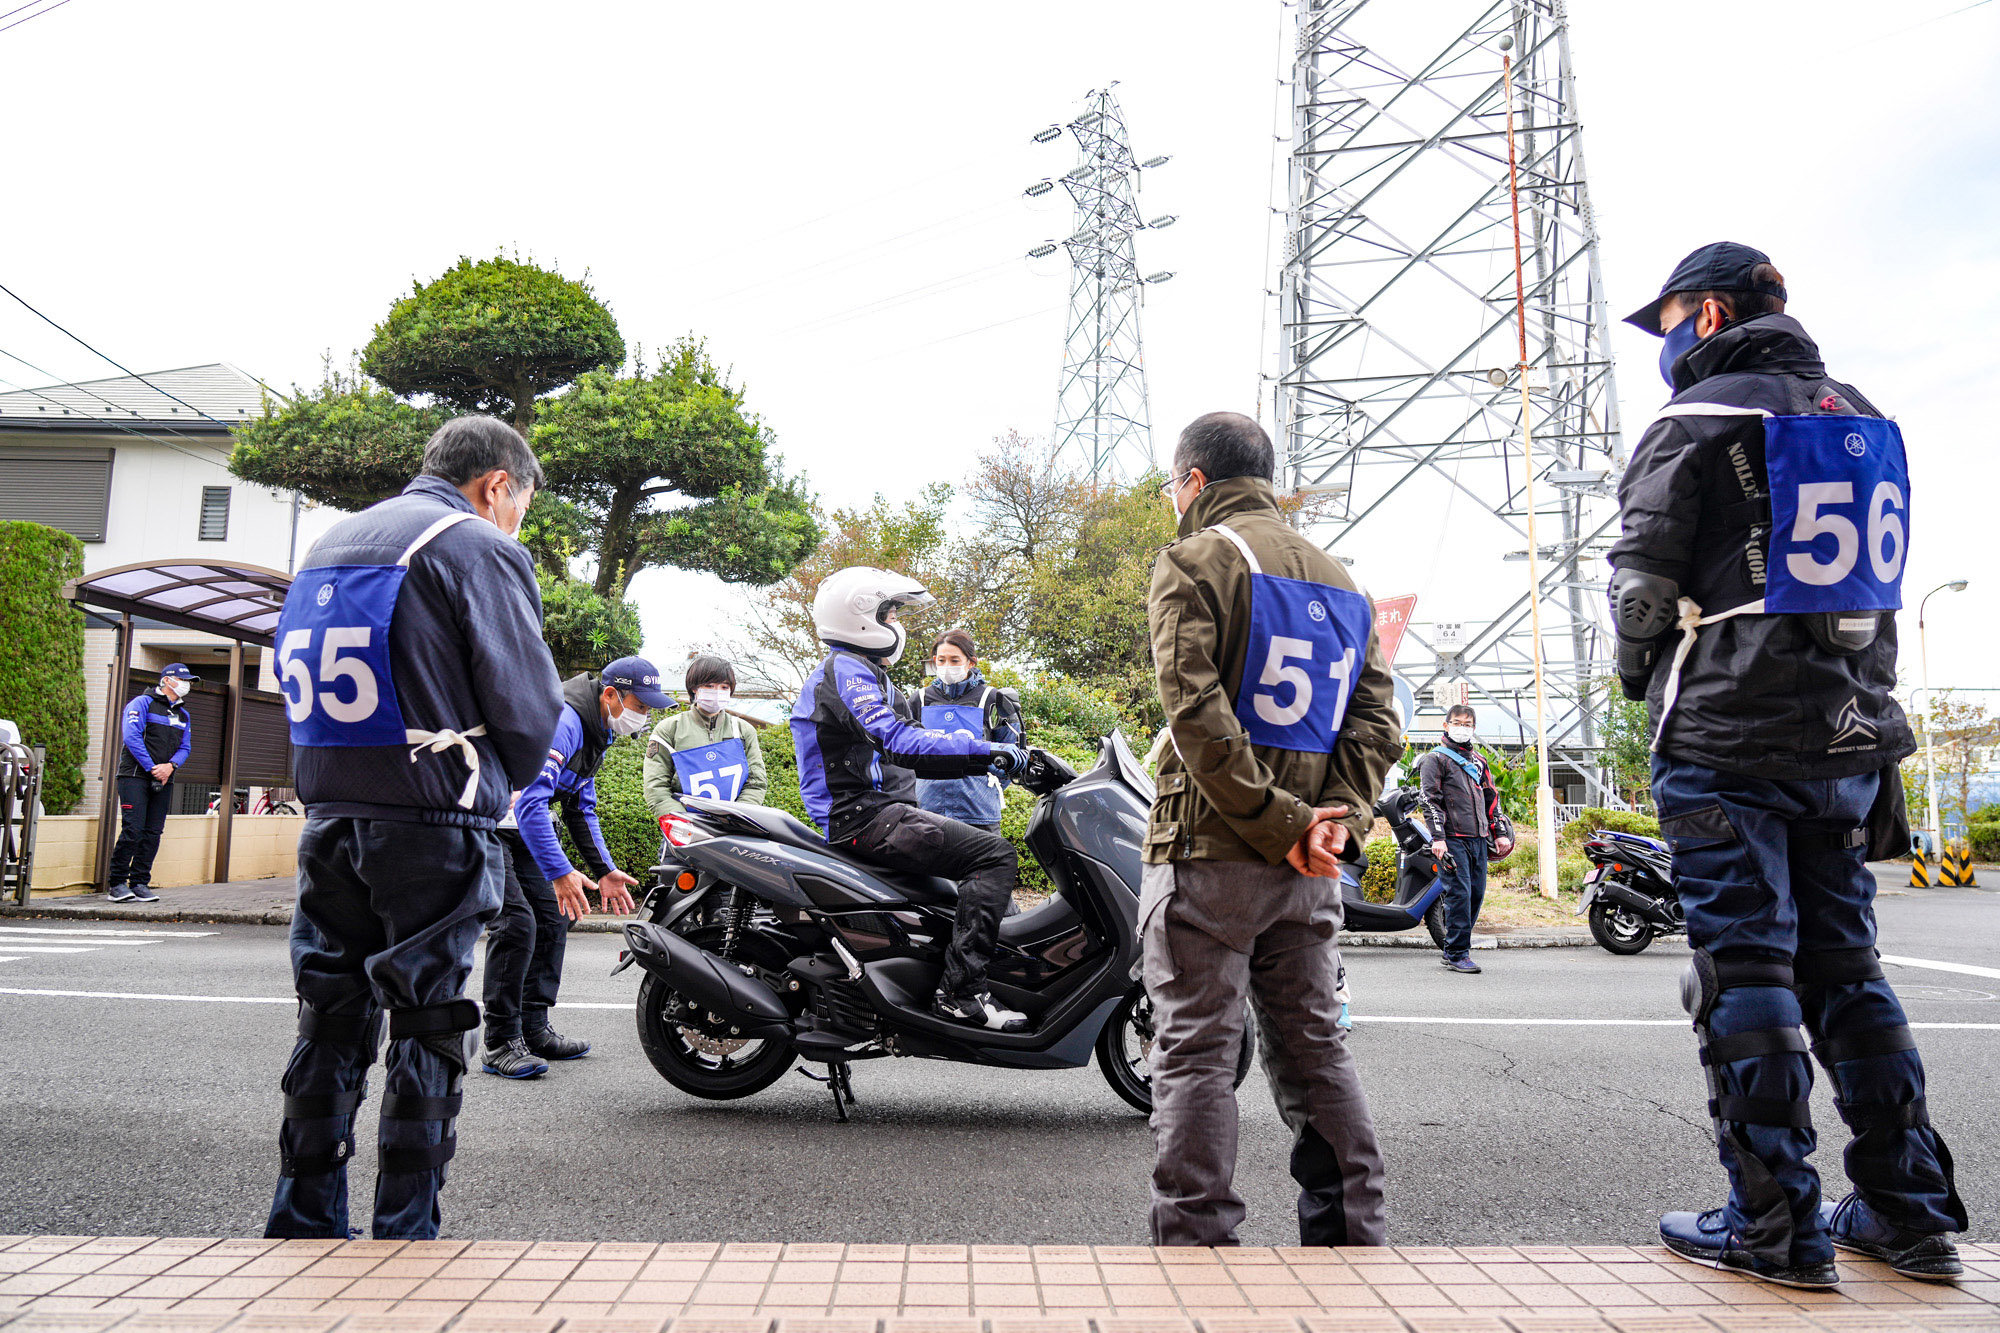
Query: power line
(37, 14)
(85, 389)
(86, 346)
(116, 425)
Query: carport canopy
(229, 599)
(236, 601)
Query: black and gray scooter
(1629, 892)
(1419, 883)
(763, 945)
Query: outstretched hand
(1317, 852)
(615, 890)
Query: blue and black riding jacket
(568, 777)
(155, 731)
(859, 750)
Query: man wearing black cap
(155, 739)
(1766, 520)
(524, 951)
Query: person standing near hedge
(524, 952)
(704, 750)
(958, 699)
(1462, 807)
(156, 737)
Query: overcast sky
(831, 196)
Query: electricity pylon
(1396, 379)
(1103, 423)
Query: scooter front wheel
(1125, 1047)
(1618, 928)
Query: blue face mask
(1675, 345)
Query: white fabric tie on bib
(437, 742)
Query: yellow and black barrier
(1920, 867)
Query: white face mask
(629, 722)
(954, 674)
(1462, 735)
(711, 699)
(174, 688)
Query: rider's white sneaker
(978, 1010)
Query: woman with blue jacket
(959, 700)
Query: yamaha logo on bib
(965, 720)
(1840, 514)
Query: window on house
(215, 513)
(62, 486)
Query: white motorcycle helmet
(851, 607)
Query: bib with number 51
(1840, 514)
(333, 650)
(716, 770)
(1308, 643)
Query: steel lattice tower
(1102, 419)
(1397, 314)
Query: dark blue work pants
(1464, 893)
(388, 914)
(143, 804)
(1761, 876)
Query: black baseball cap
(637, 677)
(177, 671)
(1722, 267)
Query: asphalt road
(159, 1116)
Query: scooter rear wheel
(1618, 928)
(1434, 923)
(708, 1064)
(1126, 1044)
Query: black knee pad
(359, 1032)
(450, 1028)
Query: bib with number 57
(333, 650)
(716, 770)
(1308, 643)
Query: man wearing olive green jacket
(704, 750)
(1282, 720)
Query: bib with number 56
(1840, 514)
(1308, 643)
(333, 650)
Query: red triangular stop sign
(1392, 616)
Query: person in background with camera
(703, 750)
(156, 736)
(1462, 807)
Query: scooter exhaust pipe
(1624, 895)
(713, 982)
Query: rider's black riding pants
(915, 841)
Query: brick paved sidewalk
(76, 1284)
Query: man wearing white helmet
(859, 757)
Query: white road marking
(1964, 969)
(1359, 1018)
(51, 948)
(74, 930)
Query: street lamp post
(1930, 743)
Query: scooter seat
(780, 826)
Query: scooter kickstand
(839, 1081)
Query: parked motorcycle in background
(1629, 891)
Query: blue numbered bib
(716, 770)
(1308, 643)
(1840, 514)
(333, 651)
(960, 719)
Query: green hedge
(1594, 818)
(41, 654)
(1378, 882)
(1984, 836)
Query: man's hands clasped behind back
(1317, 852)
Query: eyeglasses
(1173, 484)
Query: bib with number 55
(1308, 643)
(333, 650)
